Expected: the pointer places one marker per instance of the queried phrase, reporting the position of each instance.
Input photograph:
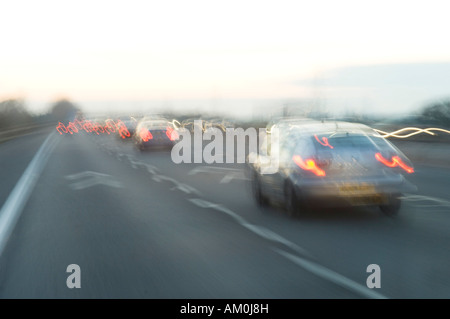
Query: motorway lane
(432, 181)
(141, 240)
(411, 249)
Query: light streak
(415, 129)
(324, 141)
(145, 135)
(308, 165)
(396, 161)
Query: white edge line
(12, 208)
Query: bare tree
(64, 110)
(13, 113)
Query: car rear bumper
(157, 143)
(361, 191)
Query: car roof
(309, 127)
(154, 123)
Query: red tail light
(308, 164)
(396, 161)
(71, 128)
(145, 135)
(324, 141)
(99, 128)
(110, 126)
(61, 128)
(123, 131)
(172, 134)
(78, 124)
(88, 126)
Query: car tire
(292, 203)
(393, 206)
(260, 199)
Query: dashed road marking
(258, 230)
(330, 275)
(229, 172)
(306, 264)
(88, 179)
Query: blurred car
(126, 127)
(333, 164)
(155, 134)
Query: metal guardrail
(12, 133)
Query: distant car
(331, 163)
(126, 128)
(155, 134)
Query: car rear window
(335, 141)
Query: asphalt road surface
(140, 226)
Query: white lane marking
(419, 198)
(177, 185)
(202, 203)
(310, 266)
(92, 182)
(158, 177)
(258, 230)
(91, 179)
(272, 236)
(229, 177)
(186, 189)
(205, 204)
(14, 204)
(151, 169)
(230, 173)
(87, 174)
(330, 275)
(212, 169)
(136, 164)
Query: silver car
(329, 163)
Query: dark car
(126, 127)
(155, 134)
(333, 164)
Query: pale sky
(116, 54)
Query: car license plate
(354, 189)
(376, 199)
(157, 136)
(361, 194)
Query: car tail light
(324, 141)
(71, 128)
(88, 126)
(78, 124)
(309, 165)
(145, 135)
(172, 134)
(123, 131)
(98, 128)
(396, 161)
(61, 128)
(110, 126)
